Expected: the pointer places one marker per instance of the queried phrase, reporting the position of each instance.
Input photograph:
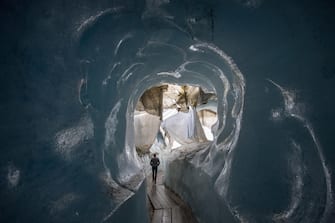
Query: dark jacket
(154, 162)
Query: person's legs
(155, 173)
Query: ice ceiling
(71, 145)
(142, 58)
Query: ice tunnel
(83, 108)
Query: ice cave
(235, 97)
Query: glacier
(73, 72)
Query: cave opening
(169, 116)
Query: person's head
(154, 154)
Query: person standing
(154, 162)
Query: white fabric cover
(185, 127)
(146, 126)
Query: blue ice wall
(65, 154)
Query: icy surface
(73, 71)
(146, 126)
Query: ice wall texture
(73, 70)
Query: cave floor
(165, 205)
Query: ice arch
(120, 63)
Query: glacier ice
(73, 73)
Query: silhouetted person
(154, 162)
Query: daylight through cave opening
(168, 116)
